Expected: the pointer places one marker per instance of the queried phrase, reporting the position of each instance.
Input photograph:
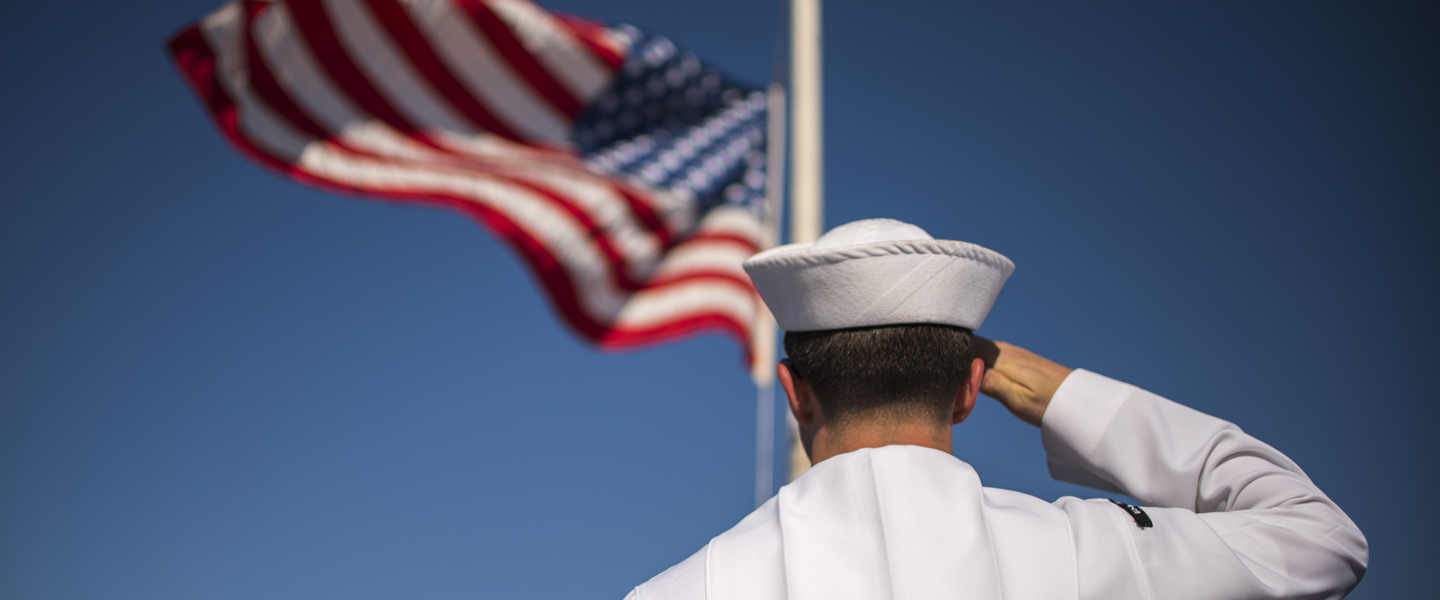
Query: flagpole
(762, 368)
(806, 183)
(764, 405)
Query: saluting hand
(1020, 379)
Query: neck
(829, 441)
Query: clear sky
(215, 383)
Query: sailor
(882, 361)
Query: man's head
(878, 316)
(892, 373)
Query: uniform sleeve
(1231, 517)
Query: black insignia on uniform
(1142, 520)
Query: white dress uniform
(1225, 517)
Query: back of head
(889, 373)
(878, 316)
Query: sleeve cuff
(1079, 414)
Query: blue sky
(215, 383)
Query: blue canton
(673, 122)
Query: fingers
(1014, 396)
(987, 351)
(1020, 379)
(997, 386)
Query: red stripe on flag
(503, 39)
(748, 244)
(396, 21)
(270, 90)
(625, 339)
(620, 272)
(565, 298)
(589, 35)
(195, 60)
(265, 85)
(274, 94)
(196, 63)
(318, 32)
(645, 213)
(726, 278)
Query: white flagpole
(762, 341)
(806, 212)
(764, 403)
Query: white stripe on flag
(588, 271)
(586, 268)
(733, 220)
(637, 245)
(311, 87)
(485, 72)
(704, 255)
(293, 65)
(390, 70)
(222, 30)
(552, 44)
(691, 298)
(556, 229)
(308, 84)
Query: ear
(802, 402)
(965, 399)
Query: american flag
(626, 173)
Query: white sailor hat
(878, 272)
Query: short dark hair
(896, 371)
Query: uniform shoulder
(742, 562)
(1011, 499)
(684, 581)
